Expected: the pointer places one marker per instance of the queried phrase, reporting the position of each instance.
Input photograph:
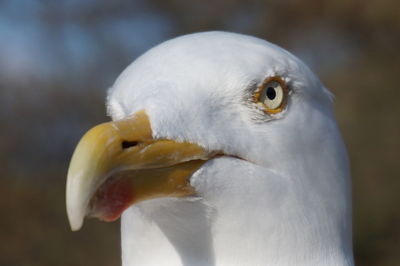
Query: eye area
(272, 95)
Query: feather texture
(286, 202)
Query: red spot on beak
(111, 199)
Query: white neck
(297, 228)
(250, 215)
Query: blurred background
(57, 59)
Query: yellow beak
(117, 164)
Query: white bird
(223, 150)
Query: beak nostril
(128, 144)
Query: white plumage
(286, 201)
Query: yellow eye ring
(272, 95)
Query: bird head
(225, 118)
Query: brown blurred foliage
(352, 45)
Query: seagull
(223, 149)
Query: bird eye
(272, 95)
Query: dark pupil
(271, 93)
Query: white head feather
(287, 203)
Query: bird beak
(119, 163)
